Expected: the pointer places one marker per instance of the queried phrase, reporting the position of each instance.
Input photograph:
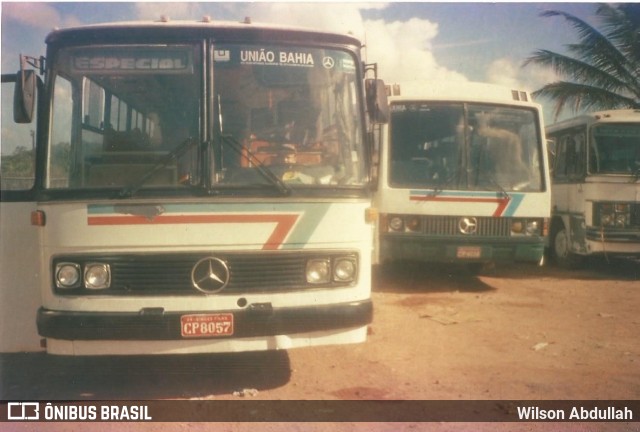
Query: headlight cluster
(327, 270)
(612, 214)
(91, 276)
(404, 223)
(528, 227)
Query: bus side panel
(19, 278)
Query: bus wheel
(562, 254)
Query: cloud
(402, 49)
(503, 72)
(148, 11)
(37, 15)
(403, 52)
(31, 14)
(509, 73)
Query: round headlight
(344, 270)
(318, 271)
(413, 223)
(67, 275)
(97, 276)
(517, 227)
(532, 227)
(396, 223)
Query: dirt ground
(512, 333)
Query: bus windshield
(464, 146)
(164, 118)
(615, 149)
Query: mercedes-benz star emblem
(328, 62)
(468, 225)
(210, 275)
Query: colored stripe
(284, 222)
(294, 223)
(506, 205)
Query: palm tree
(603, 69)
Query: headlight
(97, 276)
(396, 223)
(344, 270)
(528, 227)
(612, 214)
(517, 227)
(413, 223)
(621, 220)
(318, 271)
(607, 218)
(533, 227)
(67, 275)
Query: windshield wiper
(130, 190)
(265, 172)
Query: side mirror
(24, 98)
(377, 104)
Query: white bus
(199, 187)
(463, 176)
(596, 189)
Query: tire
(562, 254)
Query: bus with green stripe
(199, 187)
(462, 176)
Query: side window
(560, 165)
(61, 133)
(93, 105)
(17, 157)
(575, 151)
(552, 152)
(570, 155)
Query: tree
(602, 71)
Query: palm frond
(581, 96)
(602, 70)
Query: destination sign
(132, 61)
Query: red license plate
(209, 325)
(468, 252)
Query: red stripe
(284, 222)
(502, 202)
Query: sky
(483, 42)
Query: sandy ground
(512, 333)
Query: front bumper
(253, 321)
(447, 249)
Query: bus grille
(163, 274)
(449, 226)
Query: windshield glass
(293, 111)
(615, 149)
(130, 118)
(464, 147)
(122, 115)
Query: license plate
(206, 325)
(469, 252)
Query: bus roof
(456, 91)
(181, 29)
(608, 116)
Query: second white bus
(596, 192)
(463, 176)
